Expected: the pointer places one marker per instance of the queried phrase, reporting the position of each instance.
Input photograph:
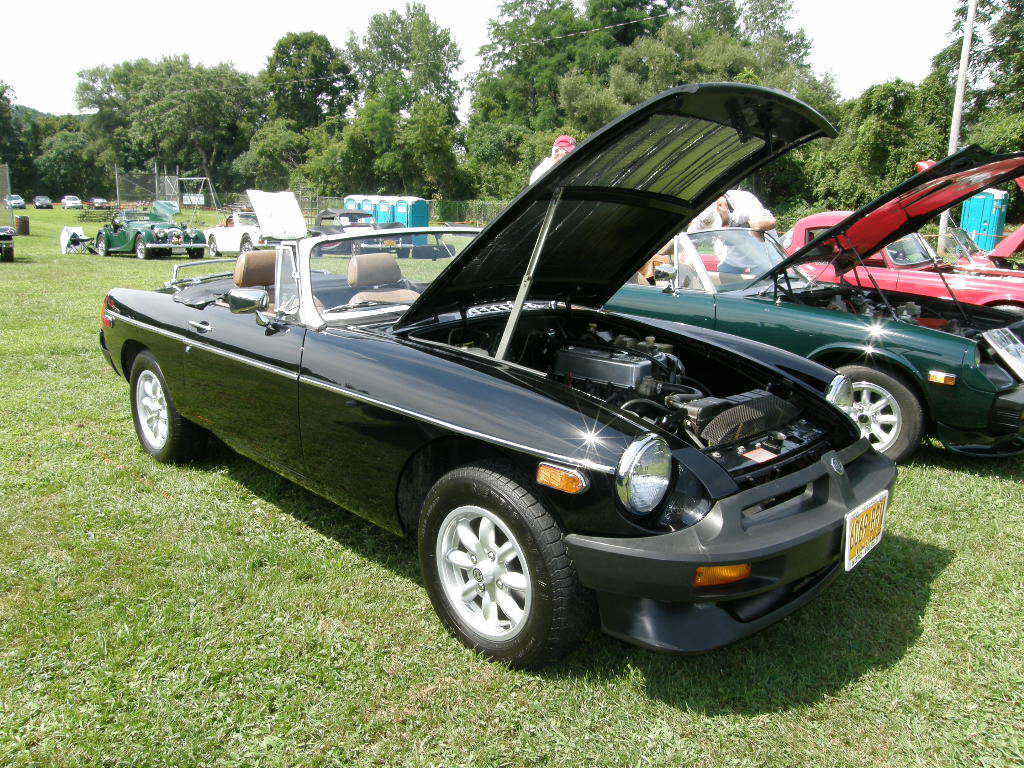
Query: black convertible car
(550, 458)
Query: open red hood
(906, 208)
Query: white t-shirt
(745, 208)
(542, 168)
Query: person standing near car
(736, 208)
(562, 146)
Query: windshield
(136, 216)
(733, 259)
(248, 220)
(910, 251)
(385, 270)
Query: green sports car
(150, 233)
(918, 365)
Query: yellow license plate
(863, 529)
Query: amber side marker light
(713, 575)
(561, 478)
(941, 377)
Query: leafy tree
(67, 165)
(405, 57)
(13, 148)
(307, 80)
(179, 113)
(275, 151)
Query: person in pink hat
(563, 146)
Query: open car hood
(906, 208)
(278, 213)
(164, 211)
(625, 191)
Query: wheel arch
(837, 356)
(438, 457)
(129, 351)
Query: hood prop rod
(527, 281)
(878, 289)
(952, 295)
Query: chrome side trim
(293, 375)
(572, 460)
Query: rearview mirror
(243, 301)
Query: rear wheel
(497, 570)
(163, 432)
(194, 253)
(214, 253)
(245, 245)
(886, 410)
(101, 243)
(140, 248)
(1012, 309)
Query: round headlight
(840, 393)
(644, 473)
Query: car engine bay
(737, 413)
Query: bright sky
(44, 46)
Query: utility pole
(958, 100)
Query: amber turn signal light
(941, 377)
(713, 575)
(561, 478)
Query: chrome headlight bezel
(648, 452)
(840, 393)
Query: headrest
(369, 269)
(255, 268)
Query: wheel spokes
(460, 559)
(514, 580)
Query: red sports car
(910, 265)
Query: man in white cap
(563, 146)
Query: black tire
(245, 244)
(214, 253)
(911, 411)
(1011, 309)
(184, 440)
(101, 244)
(194, 253)
(561, 611)
(140, 248)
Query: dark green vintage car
(918, 365)
(150, 233)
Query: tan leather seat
(377, 277)
(255, 269)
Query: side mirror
(243, 301)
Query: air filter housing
(725, 420)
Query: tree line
(380, 114)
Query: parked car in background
(237, 233)
(149, 233)
(341, 220)
(546, 455)
(42, 201)
(98, 203)
(14, 201)
(918, 365)
(910, 265)
(70, 201)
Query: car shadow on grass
(933, 455)
(866, 620)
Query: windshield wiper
(354, 305)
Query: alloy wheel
(483, 572)
(151, 405)
(876, 413)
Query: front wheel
(163, 432)
(886, 410)
(140, 248)
(245, 245)
(194, 253)
(101, 244)
(497, 570)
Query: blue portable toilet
(384, 211)
(352, 202)
(983, 216)
(367, 203)
(401, 211)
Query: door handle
(202, 326)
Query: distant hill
(24, 115)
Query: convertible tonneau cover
(625, 191)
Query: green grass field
(218, 615)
